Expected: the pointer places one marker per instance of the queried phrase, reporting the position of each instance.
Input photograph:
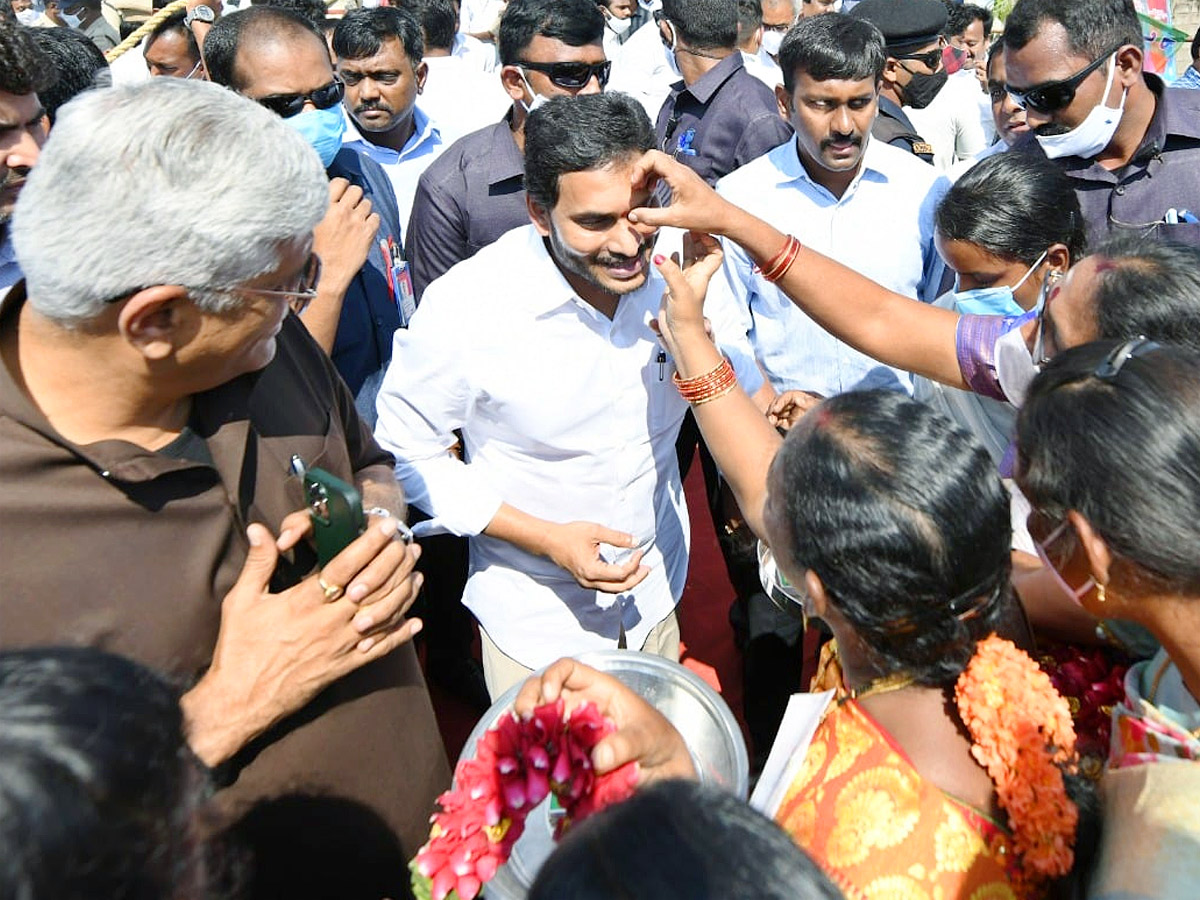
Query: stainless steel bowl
(695, 709)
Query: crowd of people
(916, 288)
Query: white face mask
(28, 16)
(672, 61)
(73, 21)
(1091, 135)
(538, 99)
(619, 26)
(772, 41)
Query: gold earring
(1100, 593)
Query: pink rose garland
(517, 764)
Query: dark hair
(960, 16)
(78, 62)
(1147, 287)
(1014, 205)
(680, 840)
(750, 17)
(832, 46)
(704, 24)
(438, 22)
(24, 69)
(903, 517)
(1092, 26)
(362, 32)
(581, 134)
(1124, 452)
(174, 22)
(576, 23)
(97, 786)
(312, 10)
(995, 47)
(1196, 45)
(231, 32)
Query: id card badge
(405, 296)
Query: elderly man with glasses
(1130, 145)
(276, 58)
(154, 392)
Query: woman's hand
(681, 322)
(643, 734)
(790, 407)
(693, 205)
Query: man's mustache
(853, 139)
(373, 106)
(1051, 128)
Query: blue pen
(685, 143)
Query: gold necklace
(885, 684)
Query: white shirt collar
(424, 130)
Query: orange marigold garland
(1023, 735)
(518, 763)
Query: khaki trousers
(502, 671)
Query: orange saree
(880, 830)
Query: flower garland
(1023, 735)
(518, 763)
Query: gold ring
(332, 591)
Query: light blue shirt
(403, 168)
(882, 227)
(10, 271)
(1189, 79)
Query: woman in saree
(1109, 456)
(893, 526)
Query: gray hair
(165, 182)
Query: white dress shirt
(10, 270)
(882, 227)
(644, 70)
(474, 52)
(951, 122)
(403, 168)
(762, 67)
(565, 415)
(460, 98)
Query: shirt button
(1120, 191)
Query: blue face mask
(994, 301)
(323, 129)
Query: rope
(148, 26)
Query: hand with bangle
(702, 373)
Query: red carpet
(704, 625)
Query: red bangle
(709, 386)
(777, 266)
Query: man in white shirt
(859, 200)
(645, 69)
(460, 97)
(539, 348)
(379, 58)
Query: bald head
(241, 43)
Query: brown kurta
(117, 547)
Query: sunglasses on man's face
(288, 105)
(571, 76)
(931, 59)
(1052, 96)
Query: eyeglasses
(1049, 292)
(572, 75)
(931, 59)
(1052, 96)
(1111, 367)
(786, 596)
(288, 105)
(305, 292)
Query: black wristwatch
(200, 14)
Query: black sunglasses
(288, 105)
(572, 75)
(929, 58)
(1051, 96)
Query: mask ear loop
(1024, 278)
